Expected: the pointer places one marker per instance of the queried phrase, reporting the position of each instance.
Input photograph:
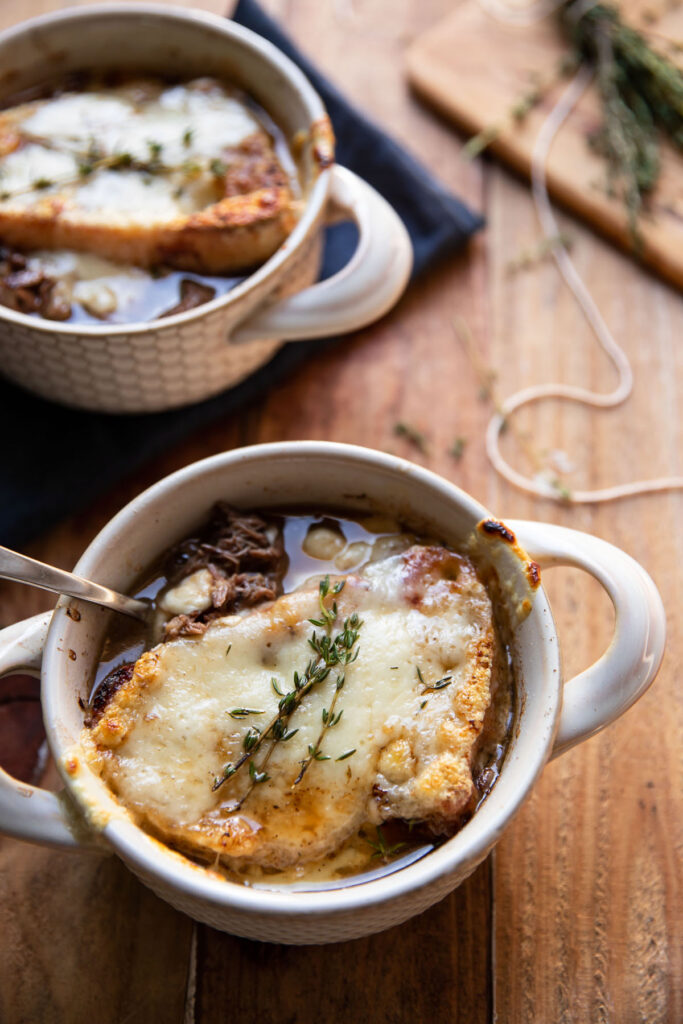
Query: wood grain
(575, 917)
(406, 970)
(475, 68)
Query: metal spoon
(14, 566)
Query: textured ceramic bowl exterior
(550, 718)
(185, 358)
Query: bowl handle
(366, 288)
(604, 691)
(28, 812)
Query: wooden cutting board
(474, 68)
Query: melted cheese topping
(165, 735)
(185, 126)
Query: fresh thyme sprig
(330, 652)
(95, 159)
(329, 721)
(380, 846)
(339, 652)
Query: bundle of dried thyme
(641, 97)
(641, 93)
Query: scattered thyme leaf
(457, 449)
(243, 712)
(537, 253)
(218, 168)
(120, 160)
(478, 143)
(561, 489)
(257, 776)
(412, 435)
(380, 845)
(440, 684)
(187, 137)
(342, 757)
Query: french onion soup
(128, 199)
(323, 698)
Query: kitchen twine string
(505, 11)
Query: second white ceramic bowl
(184, 358)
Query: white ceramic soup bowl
(64, 646)
(180, 359)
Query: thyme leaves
(438, 684)
(347, 753)
(457, 449)
(330, 650)
(412, 435)
(340, 651)
(218, 168)
(381, 847)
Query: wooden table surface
(574, 917)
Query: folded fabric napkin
(55, 460)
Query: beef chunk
(243, 551)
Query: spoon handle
(22, 569)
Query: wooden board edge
(668, 265)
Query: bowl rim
(314, 203)
(159, 865)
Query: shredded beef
(192, 294)
(29, 291)
(247, 568)
(246, 565)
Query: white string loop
(584, 299)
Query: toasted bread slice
(414, 701)
(144, 173)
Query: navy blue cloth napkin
(55, 460)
